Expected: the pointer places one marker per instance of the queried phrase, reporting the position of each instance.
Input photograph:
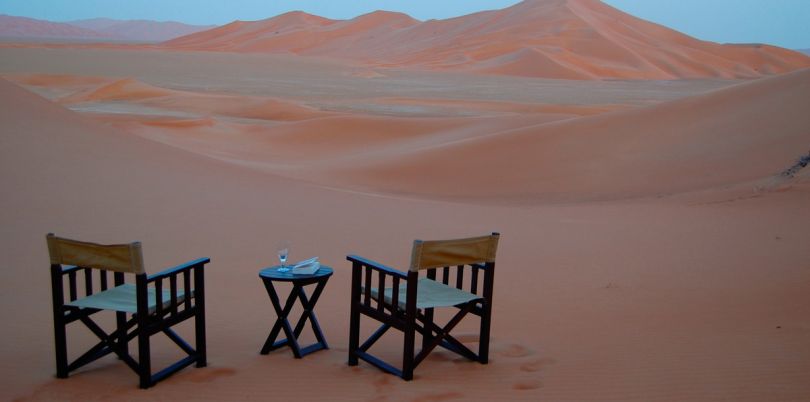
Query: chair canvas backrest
(444, 253)
(126, 258)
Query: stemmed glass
(282, 256)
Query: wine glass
(282, 256)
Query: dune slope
(569, 39)
(22, 27)
(624, 301)
(739, 134)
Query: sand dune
(654, 233)
(388, 145)
(141, 30)
(21, 27)
(256, 35)
(89, 91)
(644, 152)
(652, 249)
(639, 300)
(97, 29)
(569, 39)
(735, 135)
(119, 90)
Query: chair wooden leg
(59, 330)
(199, 317)
(486, 314)
(483, 337)
(60, 337)
(121, 327)
(354, 334)
(427, 337)
(199, 331)
(144, 360)
(408, 352)
(354, 316)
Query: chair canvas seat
(429, 294)
(140, 311)
(417, 298)
(122, 298)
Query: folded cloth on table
(306, 267)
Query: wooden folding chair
(154, 304)
(408, 304)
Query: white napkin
(306, 267)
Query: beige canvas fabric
(127, 258)
(429, 294)
(442, 253)
(123, 298)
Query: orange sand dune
(241, 32)
(20, 27)
(98, 90)
(55, 80)
(510, 107)
(553, 154)
(120, 90)
(295, 147)
(632, 300)
(569, 39)
(734, 135)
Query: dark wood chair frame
(141, 325)
(412, 320)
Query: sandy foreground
(651, 249)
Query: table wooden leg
(309, 314)
(282, 322)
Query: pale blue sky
(779, 22)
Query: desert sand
(568, 39)
(652, 241)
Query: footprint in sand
(514, 350)
(382, 383)
(527, 385)
(516, 356)
(536, 365)
(205, 375)
(444, 396)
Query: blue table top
(273, 274)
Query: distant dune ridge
(97, 28)
(22, 27)
(157, 31)
(568, 39)
(740, 134)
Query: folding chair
(409, 303)
(154, 304)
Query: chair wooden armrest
(200, 262)
(69, 268)
(176, 297)
(408, 302)
(142, 309)
(377, 266)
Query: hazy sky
(780, 22)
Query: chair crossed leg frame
(432, 337)
(398, 307)
(141, 325)
(117, 342)
(282, 322)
